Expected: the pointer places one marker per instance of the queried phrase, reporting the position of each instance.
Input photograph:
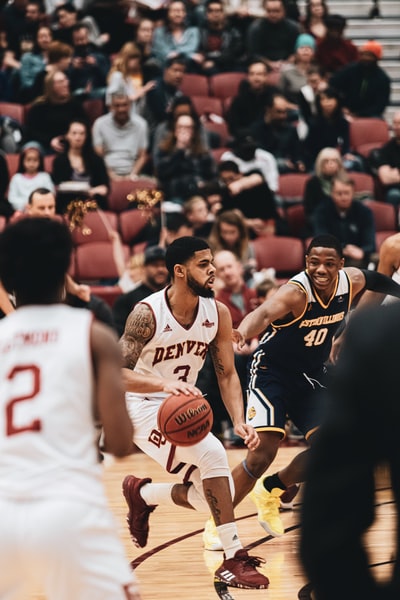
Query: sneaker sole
(240, 586)
(268, 529)
(214, 548)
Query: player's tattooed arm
(216, 357)
(139, 329)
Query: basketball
(184, 420)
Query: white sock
(229, 537)
(157, 493)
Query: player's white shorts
(66, 549)
(208, 455)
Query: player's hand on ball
(174, 386)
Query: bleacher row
(93, 260)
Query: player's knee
(214, 463)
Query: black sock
(273, 481)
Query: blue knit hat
(305, 39)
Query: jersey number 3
(35, 424)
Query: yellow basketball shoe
(211, 539)
(267, 504)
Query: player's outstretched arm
(288, 299)
(109, 391)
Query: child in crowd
(30, 176)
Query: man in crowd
(121, 139)
(155, 277)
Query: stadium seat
(225, 85)
(121, 189)
(284, 253)
(364, 184)
(296, 220)
(367, 134)
(195, 85)
(220, 128)
(206, 105)
(95, 227)
(291, 188)
(95, 263)
(14, 110)
(384, 215)
(12, 163)
(94, 108)
(131, 224)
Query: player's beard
(198, 289)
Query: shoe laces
(252, 561)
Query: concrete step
(373, 28)
(392, 68)
(388, 8)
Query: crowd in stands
(119, 91)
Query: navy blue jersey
(303, 344)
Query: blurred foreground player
(60, 376)
(348, 453)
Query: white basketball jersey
(175, 352)
(47, 431)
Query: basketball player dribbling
(164, 344)
(60, 377)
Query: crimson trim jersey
(48, 435)
(176, 352)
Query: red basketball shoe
(139, 511)
(240, 571)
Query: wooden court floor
(174, 565)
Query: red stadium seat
(94, 262)
(291, 187)
(195, 85)
(284, 253)
(205, 105)
(14, 110)
(367, 134)
(95, 227)
(225, 85)
(122, 189)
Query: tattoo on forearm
(213, 504)
(139, 329)
(216, 358)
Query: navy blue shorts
(276, 395)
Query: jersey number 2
(34, 425)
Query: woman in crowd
(58, 58)
(79, 163)
(144, 41)
(175, 36)
(230, 232)
(181, 105)
(314, 19)
(318, 188)
(126, 74)
(49, 117)
(330, 128)
(184, 163)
